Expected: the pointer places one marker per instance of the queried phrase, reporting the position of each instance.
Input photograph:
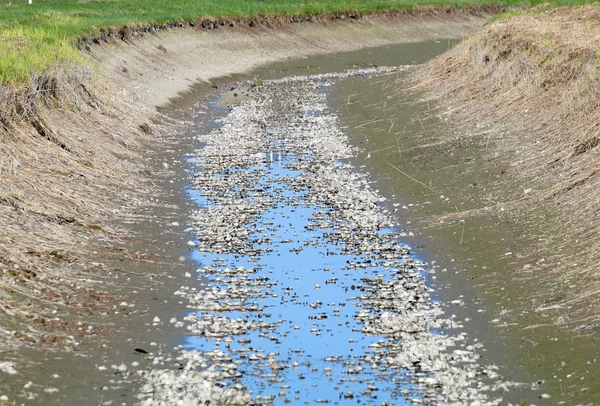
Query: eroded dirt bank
(69, 155)
(154, 68)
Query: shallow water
(411, 151)
(281, 227)
(306, 291)
(295, 264)
(302, 268)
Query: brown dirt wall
(68, 163)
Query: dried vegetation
(66, 167)
(530, 85)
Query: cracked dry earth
(304, 291)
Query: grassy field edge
(36, 38)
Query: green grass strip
(38, 36)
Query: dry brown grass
(67, 149)
(534, 80)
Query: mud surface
(449, 183)
(156, 67)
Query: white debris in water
(397, 306)
(8, 368)
(190, 386)
(51, 390)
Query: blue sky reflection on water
(312, 299)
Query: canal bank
(147, 322)
(452, 185)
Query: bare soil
(159, 65)
(67, 165)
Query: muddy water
(304, 289)
(309, 345)
(417, 159)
